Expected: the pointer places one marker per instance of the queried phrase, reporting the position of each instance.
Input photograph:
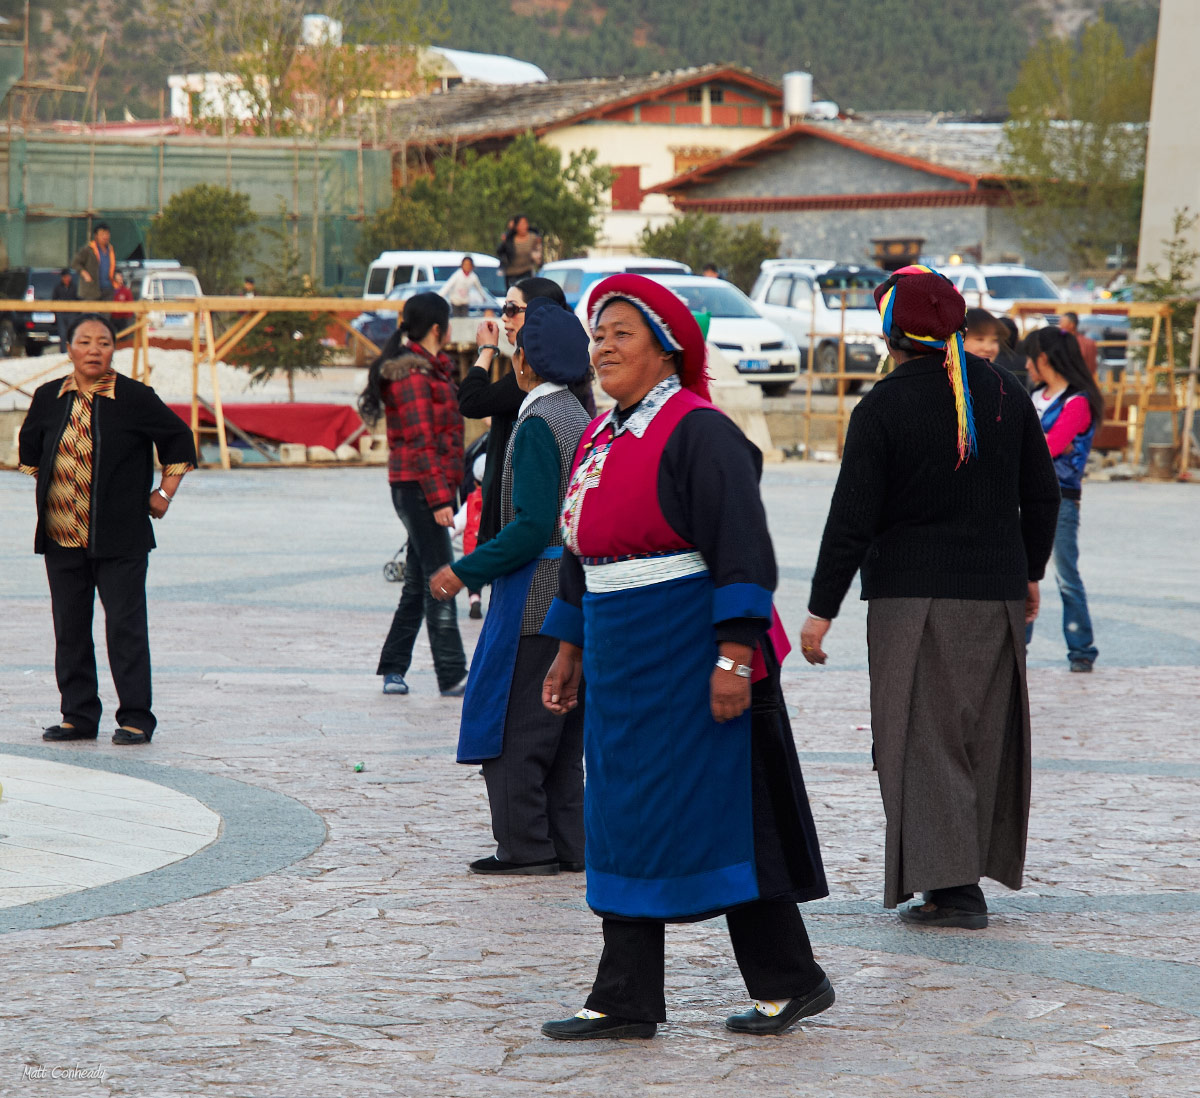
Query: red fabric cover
(326, 425)
(672, 310)
(925, 305)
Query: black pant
(428, 550)
(769, 941)
(535, 786)
(75, 578)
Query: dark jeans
(428, 550)
(1077, 622)
(75, 578)
(769, 941)
(460, 310)
(61, 320)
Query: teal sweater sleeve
(535, 509)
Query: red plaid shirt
(424, 427)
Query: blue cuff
(565, 622)
(741, 600)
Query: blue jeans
(1077, 623)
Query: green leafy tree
(465, 202)
(287, 343)
(1075, 144)
(204, 227)
(737, 250)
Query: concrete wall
(1173, 152)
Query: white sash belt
(621, 575)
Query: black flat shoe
(596, 1029)
(571, 867)
(496, 868)
(57, 732)
(123, 736)
(803, 1006)
(932, 914)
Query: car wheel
(827, 363)
(777, 388)
(33, 350)
(8, 339)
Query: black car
(35, 331)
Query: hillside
(862, 54)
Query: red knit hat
(925, 305)
(669, 319)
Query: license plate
(43, 318)
(174, 320)
(754, 365)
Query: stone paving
(349, 952)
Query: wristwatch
(739, 669)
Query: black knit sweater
(918, 526)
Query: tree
(204, 227)
(1175, 285)
(1075, 146)
(696, 239)
(465, 202)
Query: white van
(165, 280)
(575, 276)
(392, 269)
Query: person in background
(710, 271)
(64, 290)
(1069, 404)
(1087, 346)
(984, 334)
(466, 522)
(520, 252)
(532, 758)
(479, 397)
(1011, 356)
(248, 287)
(946, 500)
(460, 285)
(90, 441)
(121, 292)
(411, 383)
(96, 263)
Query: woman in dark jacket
(90, 441)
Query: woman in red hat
(694, 804)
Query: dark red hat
(669, 319)
(925, 304)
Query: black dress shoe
(804, 1006)
(123, 736)
(933, 914)
(58, 732)
(595, 1029)
(495, 867)
(571, 867)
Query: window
(695, 95)
(802, 294)
(1031, 287)
(377, 280)
(778, 292)
(627, 187)
(716, 95)
(573, 282)
(402, 274)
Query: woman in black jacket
(90, 441)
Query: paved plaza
(236, 910)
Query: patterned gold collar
(105, 387)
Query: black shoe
(571, 867)
(804, 1006)
(1084, 666)
(476, 610)
(457, 690)
(57, 732)
(496, 867)
(123, 736)
(594, 1029)
(932, 914)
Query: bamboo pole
(1190, 396)
(196, 382)
(218, 412)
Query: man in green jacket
(96, 263)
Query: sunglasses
(511, 309)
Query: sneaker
(394, 684)
(457, 690)
(1082, 666)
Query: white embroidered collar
(545, 389)
(651, 404)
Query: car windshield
(43, 282)
(715, 299)
(377, 280)
(1022, 287)
(853, 287)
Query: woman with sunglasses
(480, 397)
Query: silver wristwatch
(739, 669)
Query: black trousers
(769, 941)
(75, 578)
(535, 786)
(428, 550)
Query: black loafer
(571, 867)
(804, 1006)
(123, 736)
(57, 732)
(931, 914)
(595, 1029)
(496, 868)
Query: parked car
(575, 276)
(32, 331)
(164, 280)
(392, 269)
(820, 304)
(379, 326)
(1111, 332)
(758, 348)
(998, 286)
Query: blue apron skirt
(668, 804)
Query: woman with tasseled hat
(947, 502)
(695, 805)
(532, 759)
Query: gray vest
(565, 417)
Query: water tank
(320, 30)
(797, 94)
